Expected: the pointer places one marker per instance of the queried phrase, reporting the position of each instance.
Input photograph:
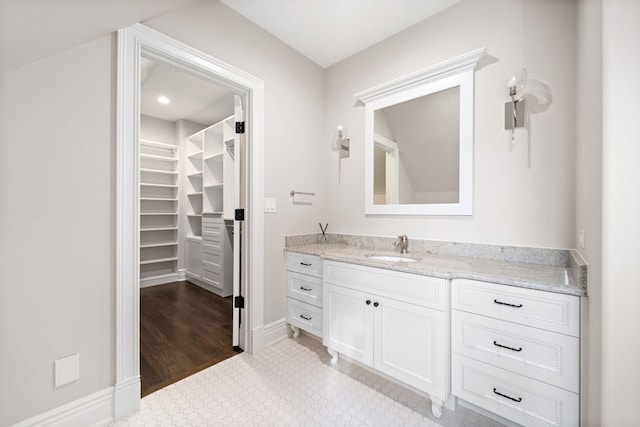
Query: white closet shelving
(158, 212)
(209, 197)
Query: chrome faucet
(403, 242)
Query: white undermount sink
(392, 257)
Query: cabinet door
(348, 323)
(194, 258)
(409, 344)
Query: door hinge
(239, 127)
(239, 215)
(238, 302)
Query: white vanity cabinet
(304, 293)
(394, 322)
(515, 352)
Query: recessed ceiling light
(163, 100)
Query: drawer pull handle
(506, 303)
(305, 317)
(305, 264)
(508, 348)
(305, 289)
(508, 397)
(368, 302)
(375, 304)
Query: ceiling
(325, 31)
(328, 31)
(191, 98)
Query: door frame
(133, 41)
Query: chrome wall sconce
(527, 96)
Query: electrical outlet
(581, 238)
(67, 369)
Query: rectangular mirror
(419, 141)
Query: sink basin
(392, 257)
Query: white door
(238, 197)
(409, 344)
(348, 323)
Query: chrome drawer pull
(506, 303)
(305, 289)
(508, 397)
(305, 264)
(305, 317)
(508, 348)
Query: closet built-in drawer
(212, 274)
(213, 256)
(305, 264)
(212, 241)
(529, 307)
(545, 356)
(420, 290)
(515, 397)
(213, 226)
(304, 288)
(305, 316)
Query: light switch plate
(269, 204)
(67, 370)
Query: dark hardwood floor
(183, 329)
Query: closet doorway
(190, 162)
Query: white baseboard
(267, 335)
(93, 410)
(126, 397)
(182, 275)
(160, 280)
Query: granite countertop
(566, 279)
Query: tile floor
(291, 383)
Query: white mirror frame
(457, 72)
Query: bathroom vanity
(471, 321)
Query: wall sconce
(344, 143)
(514, 111)
(538, 98)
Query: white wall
(589, 190)
(156, 129)
(524, 195)
(294, 110)
(620, 213)
(57, 179)
(57, 252)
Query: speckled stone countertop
(552, 270)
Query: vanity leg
(334, 355)
(296, 331)
(436, 407)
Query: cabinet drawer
(212, 275)
(304, 288)
(514, 397)
(305, 316)
(413, 288)
(546, 356)
(211, 243)
(306, 264)
(212, 226)
(213, 256)
(530, 307)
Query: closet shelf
(214, 186)
(161, 158)
(196, 156)
(157, 199)
(158, 213)
(159, 171)
(158, 260)
(150, 143)
(194, 215)
(195, 174)
(215, 157)
(149, 184)
(195, 193)
(158, 244)
(158, 228)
